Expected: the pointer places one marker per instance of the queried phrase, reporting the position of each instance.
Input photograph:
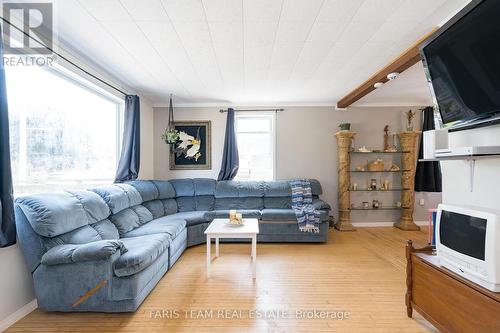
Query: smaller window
(256, 146)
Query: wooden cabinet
(448, 301)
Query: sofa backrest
(204, 194)
(257, 194)
(50, 219)
(125, 203)
(194, 194)
(231, 194)
(158, 196)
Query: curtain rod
(63, 57)
(253, 110)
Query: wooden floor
(362, 273)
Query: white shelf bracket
(472, 164)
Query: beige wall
(306, 147)
(16, 285)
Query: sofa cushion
(279, 188)
(316, 187)
(161, 225)
(106, 229)
(170, 206)
(165, 189)
(205, 202)
(320, 204)
(82, 235)
(192, 218)
(93, 204)
(53, 214)
(186, 204)
(183, 187)
(92, 251)
(125, 221)
(247, 213)
(226, 189)
(146, 189)
(131, 218)
(239, 203)
(235, 189)
(141, 252)
(155, 207)
(204, 186)
(251, 189)
(119, 196)
(143, 213)
(286, 215)
(278, 202)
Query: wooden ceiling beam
(404, 61)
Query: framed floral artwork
(192, 150)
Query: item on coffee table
(366, 204)
(375, 204)
(235, 218)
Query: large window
(64, 133)
(256, 145)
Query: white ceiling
(409, 89)
(245, 51)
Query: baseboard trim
(383, 224)
(18, 315)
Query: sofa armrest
(321, 205)
(71, 253)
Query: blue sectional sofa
(106, 248)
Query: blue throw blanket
(307, 216)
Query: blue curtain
(128, 167)
(7, 223)
(230, 159)
(428, 174)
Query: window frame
(256, 114)
(72, 77)
(93, 88)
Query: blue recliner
(106, 248)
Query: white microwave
(468, 243)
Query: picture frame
(193, 149)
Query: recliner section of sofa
(117, 241)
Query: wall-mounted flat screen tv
(462, 63)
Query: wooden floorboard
(361, 272)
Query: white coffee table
(219, 229)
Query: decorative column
(344, 143)
(408, 143)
